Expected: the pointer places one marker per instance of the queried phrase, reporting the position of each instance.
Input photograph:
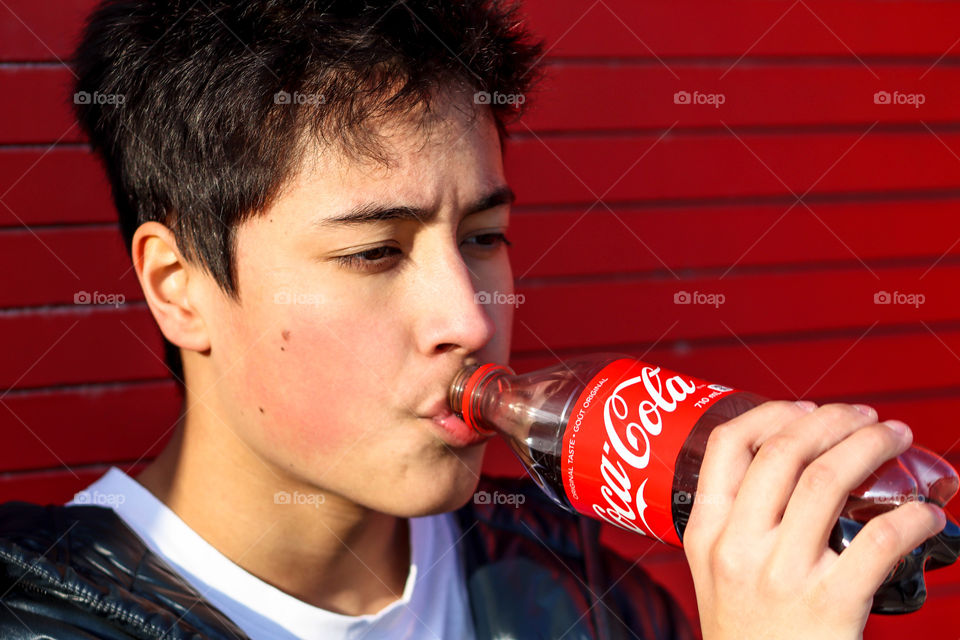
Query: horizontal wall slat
(61, 269)
(563, 242)
(36, 102)
(62, 185)
(590, 96)
(871, 362)
(620, 311)
(101, 348)
(84, 344)
(868, 28)
(626, 28)
(549, 170)
(579, 241)
(82, 426)
(823, 367)
(35, 106)
(50, 427)
(553, 170)
(54, 486)
(31, 30)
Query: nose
(449, 317)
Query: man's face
(347, 335)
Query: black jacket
(532, 572)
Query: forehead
(456, 146)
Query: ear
(165, 278)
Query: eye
(375, 259)
(490, 240)
(384, 257)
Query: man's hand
(771, 488)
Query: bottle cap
(469, 380)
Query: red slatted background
(798, 199)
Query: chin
(441, 486)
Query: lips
(451, 429)
(447, 426)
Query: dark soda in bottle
(615, 438)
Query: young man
(312, 195)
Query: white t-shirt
(433, 606)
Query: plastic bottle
(617, 439)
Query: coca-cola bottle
(617, 439)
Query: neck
(333, 554)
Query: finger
(826, 483)
(726, 457)
(771, 478)
(879, 546)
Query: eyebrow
(369, 213)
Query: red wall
(625, 199)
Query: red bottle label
(621, 444)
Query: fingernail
(866, 410)
(898, 427)
(806, 405)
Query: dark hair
(198, 109)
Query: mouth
(451, 429)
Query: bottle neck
(467, 391)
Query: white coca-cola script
(623, 506)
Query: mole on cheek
(285, 334)
(261, 409)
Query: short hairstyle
(198, 108)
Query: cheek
(318, 378)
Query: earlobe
(165, 278)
